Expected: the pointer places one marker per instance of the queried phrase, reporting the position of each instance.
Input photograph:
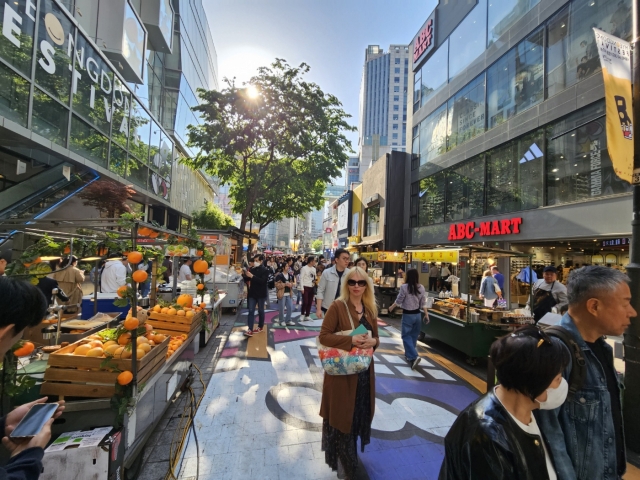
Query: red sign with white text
(490, 228)
(423, 41)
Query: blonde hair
(368, 297)
(487, 273)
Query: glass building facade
(562, 161)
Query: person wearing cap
(548, 293)
(114, 275)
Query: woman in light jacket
(70, 278)
(412, 299)
(489, 289)
(348, 401)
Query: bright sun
(252, 91)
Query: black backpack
(578, 365)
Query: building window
(373, 220)
(572, 53)
(396, 108)
(416, 90)
(406, 71)
(395, 126)
(14, 96)
(504, 13)
(396, 79)
(464, 192)
(396, 98)
(396, 89)
(406, 61)
(49, 118)
(515, 82)
(431, 200)
(466, 113)
(87, 142)
(395, 117)
(394, 143)
(397, 61)
(468, 40)
(396, 70)
(433, 135)
(394, 136)
(434, 73)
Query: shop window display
(503, 14)
(516, 81)
(434, 73)
(431, 200)
(466, 116)
(465, 190)
(579, 167)
(433, 135)
(468, 41)
(572, 53)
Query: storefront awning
(369, 242)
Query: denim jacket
(580, 432)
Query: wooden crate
(80, 376)
(174, 324)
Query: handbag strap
(348, 313)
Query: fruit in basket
(95, 352)
(139, 276)
(125, 378)
(25, 349)
(189, 314)
(158, 338)
(122, 352)
(148, 327)
(82, 349)
(124, 339)
(122, 291)
(181, 313)
(185, 300)
(164, 309)
(140, 352)
(157, 308)
(96, 343)
(108, 344)
(131, 323)
(134, 257)
(200, 266)
(145, 346)
(140, 340)
(111, 349)
(172, 311)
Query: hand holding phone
(34, 421)
(17, 445)
(17, 414)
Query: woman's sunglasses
(360, 283)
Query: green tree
(211, 217)
(316, 245)
(276, 141)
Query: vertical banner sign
(615, 58)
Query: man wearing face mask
(497, 436)
(258, 275)
(586, 434)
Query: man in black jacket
(24, 305)
(258, 275)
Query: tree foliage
(108, 197)
(276, 150)
(316, 245)
(211, 217)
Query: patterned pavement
(259, 417)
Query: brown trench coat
(339, 391)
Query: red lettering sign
(462, 231)
(423, 41)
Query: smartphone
(34, 420)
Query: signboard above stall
(387, 257)
(448, 256)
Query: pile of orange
(175, 343)
(181, 311)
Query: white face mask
(555, 396)
(257, 263)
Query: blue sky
(330, 35)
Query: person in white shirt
(185, 271)
(330, 282)
(114, 275)
(307, 280)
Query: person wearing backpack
(586, 434)
(548, 293)
(489, 289)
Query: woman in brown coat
(70, 281)
(348, 401)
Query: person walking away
(184, 275)
(586, 434)
(348, 401)
(307, 280)
(548, 293)
(114, 274)
(70, 279)
(498, 436)
(444, 274)
(330, 282)
(499, 277)
(489, 289)
(433, 277)
(412, 298)
(285, 281)
(257, 295)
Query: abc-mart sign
(16, 24)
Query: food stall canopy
(369, 242)
(450, 256)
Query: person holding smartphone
(24, 306)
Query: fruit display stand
(175, 324)
(70, 375)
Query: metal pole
(631, 341)
(95, 288)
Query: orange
(148, 327)
(124, 339)
(122, 291)
(199, 253)
(207, 272)
(157, 308)
(125, 378)
(200, 286)
(172, 311)
(181, 313)
(200, 266)
(139, 276)
(185, 300)
(164, 309)
(202, 305)
(134, 257)
(25, 349)
(82, 349)
(131, 324)
(189, 314)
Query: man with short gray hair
(586, 433)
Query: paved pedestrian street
(259, 416)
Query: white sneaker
(291, 322)
(302, 318)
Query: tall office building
(383, 103)
(353, 171)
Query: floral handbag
(336, 361)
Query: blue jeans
(251, 304)
(298, 296)
(285, 301)
(410, 332)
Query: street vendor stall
(383, 269)
(462, 321)
(122, 375)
